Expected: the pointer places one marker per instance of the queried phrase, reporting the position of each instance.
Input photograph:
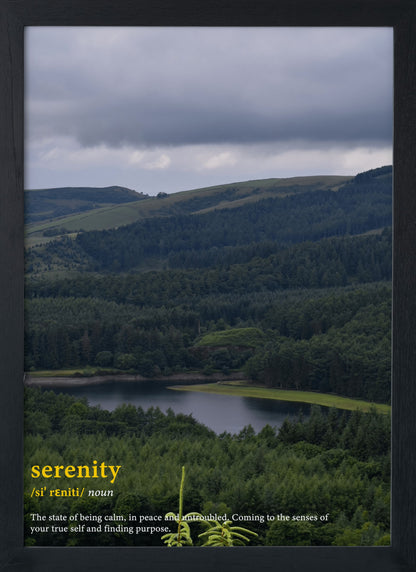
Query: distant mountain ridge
(169, 234)
(87, 209)
(50, 213)
(361, 205)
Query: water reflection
(218, 412)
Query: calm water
(218, 412)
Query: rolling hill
(205, 227)
(53, 212)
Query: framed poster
(16, 18)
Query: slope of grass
(323, 399)
(243, 337)
(44, 204)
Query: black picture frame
(14, 16)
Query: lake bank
(56, 381)
(216, 383)
(240, 388)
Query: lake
(218, 412)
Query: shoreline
(183, 378)
(294, 396)
(231, 384)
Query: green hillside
(100, 216)
(221, 225)
(244, 337)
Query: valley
(286, 281)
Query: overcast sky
(171, 109)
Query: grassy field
(324, 399)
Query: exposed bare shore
(100, 379)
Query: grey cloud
(181, 125)
(161, 87)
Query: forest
(337, 341)
(335, 464)
(143, 296)
(290, 290)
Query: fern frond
(170, 515)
